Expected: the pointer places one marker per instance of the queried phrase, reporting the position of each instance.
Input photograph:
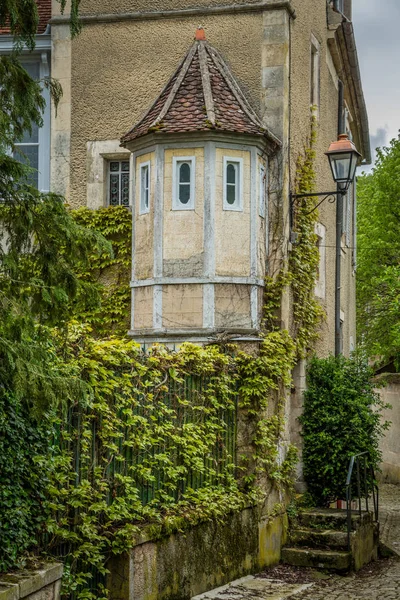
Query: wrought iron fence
(221, 457)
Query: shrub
(342, 417)
(23, 480)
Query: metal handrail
(375, 490)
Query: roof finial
(200, 34)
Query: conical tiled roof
(202, 95)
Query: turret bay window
(233, 184)
(183, 182)
(118, 183)
(144, 188)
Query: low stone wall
(204, 557)
(390, 444)
(43, 583)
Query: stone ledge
(21, 584)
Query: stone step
(331, 518)
(330, 560)
(314, 538)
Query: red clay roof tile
(202, 95)
(44, 9)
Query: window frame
(143, 210)
(42, 59)
(238, 206)
(176, 203)
(120, 173)
(263, 174)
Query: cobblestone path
(377, 581)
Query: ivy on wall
(151, 440)
(129, 428)
(109, 269)
(304, 258)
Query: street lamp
(343, 158)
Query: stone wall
(209, 555)
(390, 444)
(43, 583)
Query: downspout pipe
(339, 228)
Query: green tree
(378, 275)
(342, 417)
(41, 247)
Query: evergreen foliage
(341, 418)
(378, 264)
(23, 480)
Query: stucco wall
(120, 68)
(390, 444)
(108, 6)
(183, 229)
(144, 224)
(232, 229)
(311, 20)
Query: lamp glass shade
(343, 167)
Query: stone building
(197, 131)
(211, 129)
(198, 268)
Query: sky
(377, 30)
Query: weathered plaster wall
(311, 20)
(143, 308)
(232, 306)
(144, 224)
(182, 306)
(232, 229)
(111, 88)
(108, 6)
(390, 443)
(183, 240)
(209, 555)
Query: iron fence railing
(366, 486)
(220, 458)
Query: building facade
(198, 268)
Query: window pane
(125, 166)
(125, 189)
(114, 166)
(184, 193)
(33, 69)
(29, 155)
(184, 173)
(31, 138)
(144, 187)
(230, 194)
(114, 189)
(231, 173)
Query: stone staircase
(318, 538)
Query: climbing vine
(109, 269)
(304, 258)
(146, 440)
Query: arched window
(144, 188)
(233, 183)
(183, 183)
